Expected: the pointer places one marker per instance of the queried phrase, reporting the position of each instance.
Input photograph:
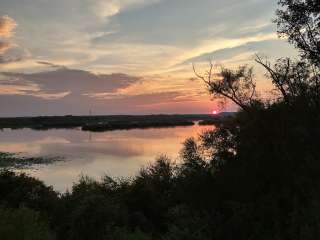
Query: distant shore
(111, 122)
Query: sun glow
(214, 112)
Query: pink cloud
(7, 25)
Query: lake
(115, 153)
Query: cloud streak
(63, 81)
(254, 47)
(71, 91)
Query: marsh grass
(18, 161)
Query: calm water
(116, 153)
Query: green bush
(23, 224)
(124, 234)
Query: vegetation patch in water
(16, 161)
(123, 125)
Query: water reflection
(116, 153)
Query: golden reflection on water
(115, 153)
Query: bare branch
(237, 86)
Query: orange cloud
(7, 25)
(4, 46)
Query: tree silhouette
(236, 85)
(299, 21)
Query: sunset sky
(62, 57)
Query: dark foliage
(299, 21)
(23, 223)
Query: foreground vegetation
(254, 177)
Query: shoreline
(111, 122)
